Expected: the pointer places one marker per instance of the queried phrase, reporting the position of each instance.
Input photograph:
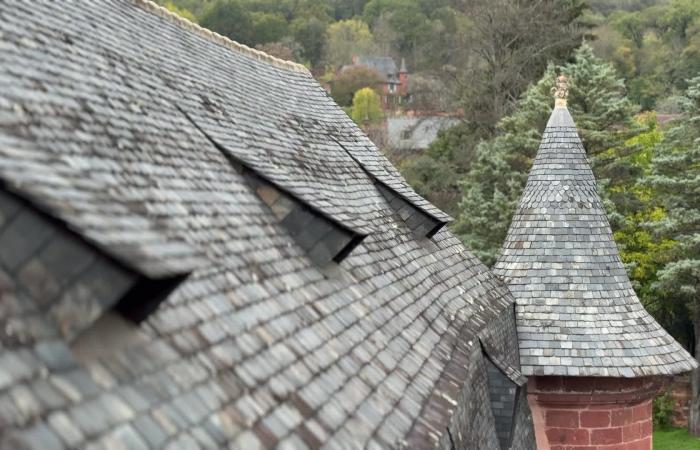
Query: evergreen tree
(676, 180)
(493, 185)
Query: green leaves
(495, 182)
(352, 79)
(675, 179)
(366, 107)
(656, 47)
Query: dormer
(422, 224)
(324, 240)
(70, 279)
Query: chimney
(403, 78)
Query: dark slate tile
(22, 237)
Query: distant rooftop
(384, 65)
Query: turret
(595, 357)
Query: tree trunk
(694, 415)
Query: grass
(675, 439)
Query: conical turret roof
(577, 313)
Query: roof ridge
(163, 12)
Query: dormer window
(68, 278)
(421, 223)
(323, 239)
(504, 383)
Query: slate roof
(577, 313)
(135, 130)
(385, 65)
(421, 131)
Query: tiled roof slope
(577, 313)
(124, 125)
(134, 73)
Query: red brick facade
(578, 413)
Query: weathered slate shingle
(577, 313)
(130, 126)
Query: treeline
(655, 46)
(477, 55)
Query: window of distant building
(392, 88)
(405, 134)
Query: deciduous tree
(350, 80)
(345, 39)
(366, 107)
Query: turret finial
(561, 91)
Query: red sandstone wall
(679, 392)
(599, 427)
(592, 413)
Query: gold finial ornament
(561, 91)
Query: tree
(180, 11)
(485, 53)
(366, 107)
(350, 81)
(494, 183)
(230, 18)
(267, 27)
(309, 32)
(676, 177)
(656, 45)
(427, 34)
(285, 49)
(632, 26)
(345, 39)
(512, 41)
(435, 174)
(346, 9)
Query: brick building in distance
(594, 357)
(393, 87)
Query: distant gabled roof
(385, 65)
(577, 313)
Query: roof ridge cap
(163, 12)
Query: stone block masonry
(586, 413)
(679, 393)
